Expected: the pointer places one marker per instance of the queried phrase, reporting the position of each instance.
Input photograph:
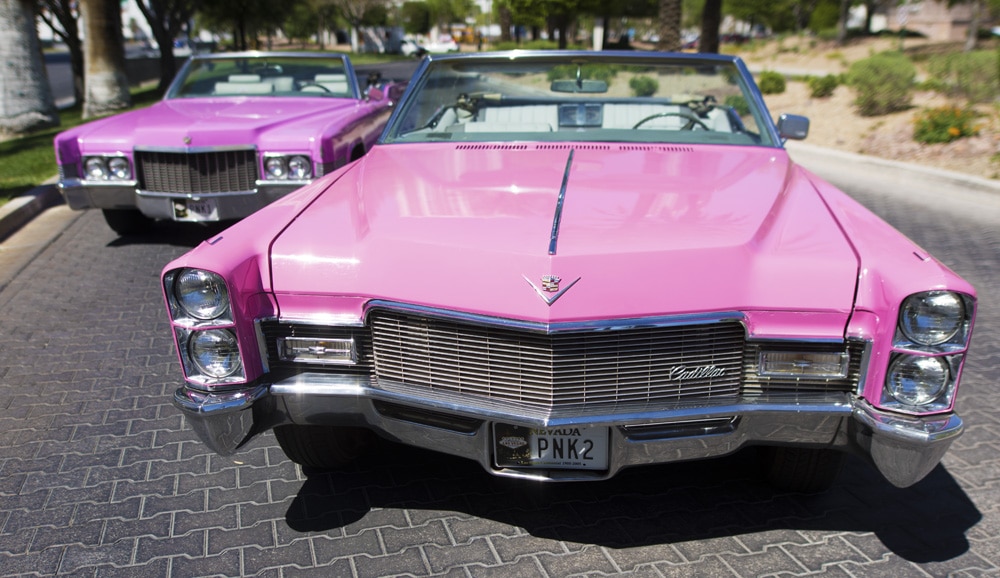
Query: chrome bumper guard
(903, 448)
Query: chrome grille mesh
(595, 368)
(488, 366)
(197, 172)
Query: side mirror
(793, 126)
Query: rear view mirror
(584, 86)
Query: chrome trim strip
(193, 196)
(282, 182)
(557, 219)
(201, 149)
(345, 320)
(540, 327)
(66, 183)
(321, 384)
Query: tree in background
(711, 21)
(104, 59)
(61, 16)
(669, 26)
(167, 18)
(26, 102)
(247, 19)
(353, 11)
(415, 17)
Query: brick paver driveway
(100, 476)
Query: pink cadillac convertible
(561, 265)
(233, 133)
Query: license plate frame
(564, 448)
(197, 211)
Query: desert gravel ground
(835, 122)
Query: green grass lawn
(30, 160)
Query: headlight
(918, 381)
(107, 168)
(95, 168)
(299, 167)
(215, 352)
(932, 318)
(294, 167)
(275, 167)
(119, 168)
(201, 294)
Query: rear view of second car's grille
(561, 370)
(228, 171)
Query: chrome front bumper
(124, 195)
(903, 448)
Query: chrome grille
(640, 366)
(227, 171)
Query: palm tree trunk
(26, 102)
(669, 21)
(711, 20)
(104, 59)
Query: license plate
(200, 210)
(570, 448)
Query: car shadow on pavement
(172, 233)
(656, 505)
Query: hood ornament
(549, 290)
(187, 140)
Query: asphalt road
(101, 476)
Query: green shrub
(643, 85)
(771, 82)
(970, 75)
(737, 103)
(823, 86)
(944, 124)
(883, 83)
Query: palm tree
(26, 102)
(104, 58)
(669, 21)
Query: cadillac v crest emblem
(187, 140)
(549, 290)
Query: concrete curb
(893, 169)
(20, 210)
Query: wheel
(127, 221)
(323, 447)
(801, 469)
(692, 120)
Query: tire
(323, 447)
(127, 221)
(804, 470)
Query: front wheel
(127, 221)
(806, 470)
(323, 447)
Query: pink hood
(644, 231)
(211, 122)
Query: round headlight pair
(932, 318)
(215, 352)
(295, 167)
(201, 294)
(107, 168)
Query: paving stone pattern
(101, 476)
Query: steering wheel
(316, 84)
(692, 120)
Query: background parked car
(233, 133)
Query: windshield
(265, 76)
(629, 100)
